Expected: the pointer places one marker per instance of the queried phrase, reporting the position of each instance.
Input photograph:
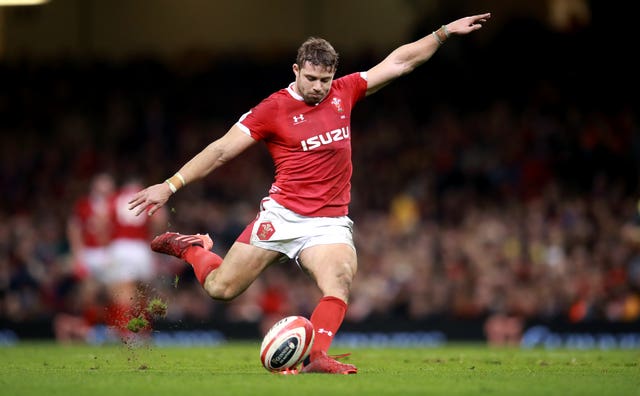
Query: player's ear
(296, 69)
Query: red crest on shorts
(265, 230)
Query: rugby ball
(287, 343)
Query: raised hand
(150, 199)
(467, 24)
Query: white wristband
(171, 186)
(440, 42)
(184, 183)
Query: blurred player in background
(90, 227)
(306, 128)
(132, 263)
(111, 257)
(89, 232)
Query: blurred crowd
(514, 205)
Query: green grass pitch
(234, 369)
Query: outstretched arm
(406, 58)
(213, 156)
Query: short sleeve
(257, 121)
(355, 84)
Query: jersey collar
(293, 93)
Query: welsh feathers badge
(337, 103)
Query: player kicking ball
(306, 128)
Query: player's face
(102, 185)
(313, 82)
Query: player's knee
(340, 280)
(346, 271)
(221, 291)
(344, 278)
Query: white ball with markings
(287, 343)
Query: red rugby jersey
(310, 146)
(93, 217)
(125, 223)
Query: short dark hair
(318, 52)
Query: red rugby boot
(327, 365)
(175, 244)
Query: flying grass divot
(138, 323)
(157, 308)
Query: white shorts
(131, 260)
(97, 260)
(278, 228)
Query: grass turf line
(234, 369)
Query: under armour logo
(298, 119)
(327, 332)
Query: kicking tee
(310, 146)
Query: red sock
(118, 316)
(203, 261)
(326, 320)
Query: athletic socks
(203, 261)
(326, 320)
(326, 317)
(117, 316)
